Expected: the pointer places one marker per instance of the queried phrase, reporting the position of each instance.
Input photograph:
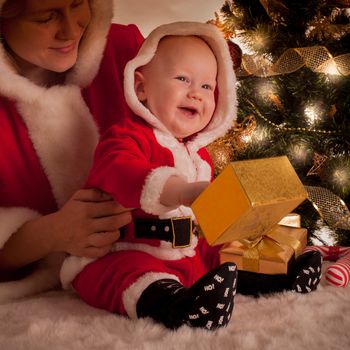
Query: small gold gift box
(248, 199)
(269, 254)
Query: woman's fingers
(107, 208)
(94, 252)
(103, 239)
(110, 223)
(91, 195)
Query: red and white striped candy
(337, 274)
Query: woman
(61, 64)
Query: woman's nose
(69, 28)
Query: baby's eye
(182, 78)
(207, 87)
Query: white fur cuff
(11, 219)
(153, 188)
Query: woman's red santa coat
(48, 135)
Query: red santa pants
(101, 284)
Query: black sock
(305, 274)
(255, 284)
(303, 277)
(207, 304)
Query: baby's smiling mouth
(189, 111)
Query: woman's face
(46, 34)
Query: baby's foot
(307, 272)
(213, 298)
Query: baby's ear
(140, 86)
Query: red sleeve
(123, 159)
(204, 154)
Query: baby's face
(179, 84)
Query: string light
(340, 177)
(330, 68)
(265, 90)
(299, 152)
(312, 113)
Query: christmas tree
(294, 100)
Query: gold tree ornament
(224, 149)
(318, 164)
(221, 154)
(276, 10)
(331, 208)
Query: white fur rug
(60, 321)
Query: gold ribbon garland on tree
(330, 207)
(316, 58)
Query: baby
(181, 87)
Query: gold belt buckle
(182, 240)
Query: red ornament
(236, 54)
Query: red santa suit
(48, 135)
(132, 163)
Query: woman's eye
(77, 3)
(46, 18)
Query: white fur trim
(58, 123)
(132, 294)
(186, 161)
(153, 188)
(93, 43)
(226, 109)
(44, 278)
(71, 266)
(11, 219)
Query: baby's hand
(192, 191)
(179, 192)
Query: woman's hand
(88, 224)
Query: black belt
(178, 231)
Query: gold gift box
(247, 199)
(273, 263)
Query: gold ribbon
(316, 58)
(267, 246)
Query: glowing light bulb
(266, 89)
(330, 67)
(312, 113)
(299, 152)
(340, 177)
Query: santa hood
(90, 54)
(225, 112)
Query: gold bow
(267, 246)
